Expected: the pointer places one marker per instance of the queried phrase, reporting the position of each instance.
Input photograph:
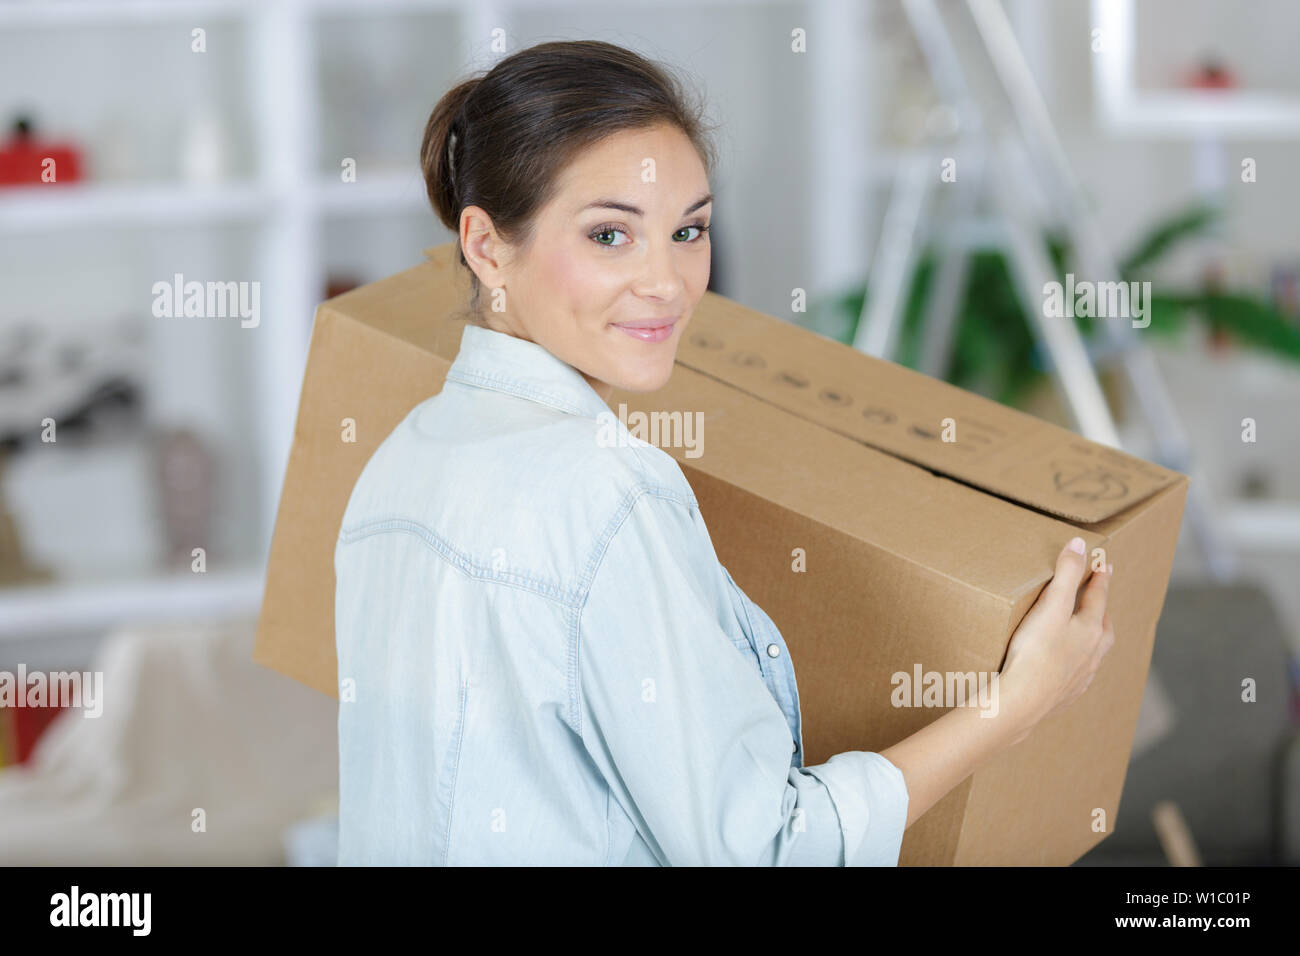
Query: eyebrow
(637, 211)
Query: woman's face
(623, 243)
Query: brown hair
(501, 140)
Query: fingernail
(1076, 545)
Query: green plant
(994, 350)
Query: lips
(648, 330)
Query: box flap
(902, 412)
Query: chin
(646, 379)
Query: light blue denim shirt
(542, 661)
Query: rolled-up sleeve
(682, 728)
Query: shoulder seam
(612, 527)
(435, 543)
(594, 563)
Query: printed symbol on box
(920, 432)
(790, 378)
(706, 341)
(831, 397)
(879, 415)
(748, 360)
(1089, 483)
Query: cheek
(697, 279)
(563, 284)
(559, 277)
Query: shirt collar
(504, 363)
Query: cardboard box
(920, 553)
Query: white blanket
(189, 723)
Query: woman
(542, 660)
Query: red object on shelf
(27, 724)
(1210, 74)
(23, 158)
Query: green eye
(605, 230)
(598, 234)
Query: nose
(661, 279)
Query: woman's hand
(1056, 650)
(1050, 661)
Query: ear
(486, 253)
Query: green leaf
(1252, 321)
(1167, 234)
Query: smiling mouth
(648, 333)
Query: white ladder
(990, 171)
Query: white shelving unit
(288, 207)
(32, 209)
(76, 606)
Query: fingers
(1107, 636)
(1103, 646)
(1063, 587)
(1092, 604)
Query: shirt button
(794, 745)
(773, 651)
